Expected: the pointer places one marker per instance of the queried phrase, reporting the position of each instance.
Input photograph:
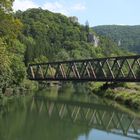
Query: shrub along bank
(124, 93)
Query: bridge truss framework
(112, 69)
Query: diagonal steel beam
(113, 69)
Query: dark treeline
(127, 37)
(38, 35)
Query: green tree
(4, 57)
(5, 63)
(12, 69)
(6, 5)
(87, 27)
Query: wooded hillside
(127, 37)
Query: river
(53, 115)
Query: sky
(96, 12)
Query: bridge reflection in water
(98, 116)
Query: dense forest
(58, 37)
(127, 37)
(38, 35)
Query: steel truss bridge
(95, 115)
(112, 69)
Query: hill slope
(58, 37)
(127, 37)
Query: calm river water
(49, 116)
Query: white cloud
(56, 7)
(79, 7)
(63, 8)
(122, 24)
(24, 5)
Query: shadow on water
(47, 118)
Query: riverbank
(19, 89)
(127, 94)
(26, 88)
(124, 93)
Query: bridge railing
(118, 69)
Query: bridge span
(110, 69)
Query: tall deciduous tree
(12, 69)
(6, 5)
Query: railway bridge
(110, 69)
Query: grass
(128, 94)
